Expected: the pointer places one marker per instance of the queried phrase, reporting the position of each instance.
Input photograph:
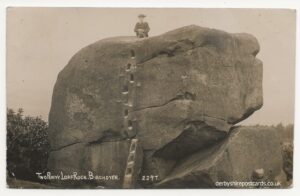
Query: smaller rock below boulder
(246, 150)
(258, 173)
(195, 136)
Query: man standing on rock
(141, 28)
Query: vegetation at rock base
(27, 145)
(287, 149)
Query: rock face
(177, 93)
(247, 154)
(105, 159)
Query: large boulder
(176, 93)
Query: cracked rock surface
(188, 88)
(236, 158)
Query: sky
(41, 41)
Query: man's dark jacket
(143, 26)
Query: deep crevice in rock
(108, 136)
(196, 135)
(182, 96)
(202, 153)
(65, 146)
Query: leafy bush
(27, 145)
(287, 149)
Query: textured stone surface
(245, 151)
(177, 93)
(189, 74)
(104, 159)
(155, 167)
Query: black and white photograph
(150, 98)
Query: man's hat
(142, 16)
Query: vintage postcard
(150, 98)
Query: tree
(27, 145)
